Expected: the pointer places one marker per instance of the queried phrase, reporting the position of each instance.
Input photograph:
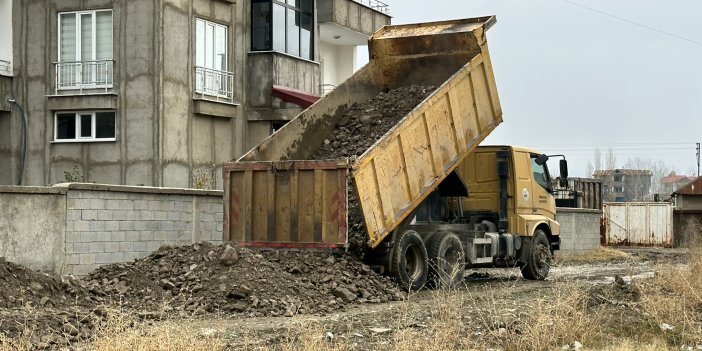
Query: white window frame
(77, 118)
(93, 61)
(79, 39)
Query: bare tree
(589, 169)
(611, 159)
(598, 159)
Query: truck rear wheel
(539, 257)
(447, 261)
(409, 264)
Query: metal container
(400, 170)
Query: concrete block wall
(84, 226)
(118, 224)
(580, 229)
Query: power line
(632, 22)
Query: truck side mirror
(563, 180)
(541, 159)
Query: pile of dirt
(364, 123)
(619, 292)
(56, 311)
(361, 126)
(204, 278)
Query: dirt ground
(259, 299)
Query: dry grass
(121, 333)
(674, 297)
(599, 255)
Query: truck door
(523, 186)
(543, 202)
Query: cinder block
(96, 247)
(131, 236)
(96, 226)
(146, 236)
(111, 246)
(81, 248)
(103, 258)
(112, 204)
(140, 246)
(117, 236)
(126, 204)
(126, 225)
(88, 215)
(87, 236)
(72, 215)
(88, 258)
(152, 225)
(139, 225)
(68, 248)
(166, 225)
(104, 215)
(140, 205)
(97, 204)
(147, 215)
(112, 226)
(81, 204)
(72, 237)
(119, 215)
(161, 215)
(160, 235)
(126, 246)
(133, 215)
(153, 245)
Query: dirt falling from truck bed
(360, 127)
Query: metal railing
(375, 5)
(212, 83)
(5, 68)
(84, 75)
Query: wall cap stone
(138, 189)
(577, 210)
(23, 189)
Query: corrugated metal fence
(637, 223)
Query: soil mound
(204, 278)
(361, 126)
(618, 292)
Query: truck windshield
(540, 173)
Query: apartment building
(160, 93)
(624, 185)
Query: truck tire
(409, 264)
(447, 261)
(539, 257)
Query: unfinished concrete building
(624, 185)
(161, 93)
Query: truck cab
(497, 209)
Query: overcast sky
(571, 79)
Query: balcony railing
(84, 75)
(5, 68)
(375, 5)
(212, 84)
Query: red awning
(295, 96)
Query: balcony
(212, 84)
(350, 22)
(375, 5)
(84, 77)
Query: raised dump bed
(278, 195)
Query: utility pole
(698, 159)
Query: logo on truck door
(525, 194)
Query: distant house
(687, 215)
(673, 182)
(624, 185)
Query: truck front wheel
(410, 264)
(538, 257)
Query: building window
(211, 60)
(618, 189)
(85, 50)
(84, 126)
(618, 177)
(283, 25)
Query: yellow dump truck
(412, 185)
